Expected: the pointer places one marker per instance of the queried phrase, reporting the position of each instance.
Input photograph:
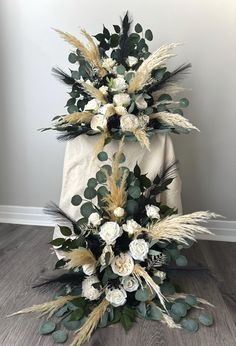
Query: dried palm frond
(156, 60)
(141, 137)
(91, 323)
(116, 186)
(140, 272)
(90, 53)
(180, 228)
(79, 257)
(170, 89)
(46, 308)
(94, 92)
(78, 117)
(173, 119)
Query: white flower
(119, 84)
(143, 121)
(122, 264)
(152, 211)
(119, 212)
(131, 227)
(88, 291)
(120, 110)
(121, 100)
(107, 110)
(139, 249)
(116, 297)
(106, 249)
(89, 269)
(131, 61)
(160, 274)
(130, 283)
(141, 103)
(99, 121)
(108, 64)
(93, 105)
(129, 122)
(110, 231)
(104, 90)
(94, 219)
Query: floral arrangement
(120, 89)
(117, 257)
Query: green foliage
(154, 313)
(87, 209)
(131, 207)
(181, 261)
(149, 35)
(102, 156)
(134, 192)
(47, 328)
(66, 231)
(92, 183)
(57, 241)
(90, 193)
(206, 319)
(184, 102)
(142, 294)
(60, 336)
(138, 28)
(101, 177)
(189, 324)
(191, 300)
(77, 314)
(128, 317)
(76, 200)
(179, 309)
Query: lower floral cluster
(116, 258)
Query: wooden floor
(25, 256)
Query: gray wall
(31, 163)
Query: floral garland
(120, 89)
(118, 255)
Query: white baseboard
(223, 230)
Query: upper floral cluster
(120, 88)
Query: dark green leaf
(137, 171)
(76, 200)
(116, 28)
(106, 33)
(102, 191)
(114, 40)
(101, 177)
(66, 231)
(77, 314)
(131, 207)
(90, 193)
(179, 309)
(61, 263)
(149, 35)
(60, 336)
(71, 102)
(138, 28)
(73, 58)
(57, 241)
(102, 156)
(142, 294)
(126, 322)
(92, 182)
(99, 37)
(87, 209)
(134, 192)
(164, 97)
(47, 328)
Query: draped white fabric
(80, 164)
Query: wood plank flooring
(25, 256)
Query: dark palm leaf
(125, 29)
(63, 76)
(70, 278)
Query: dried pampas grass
(90, 53)
(78, 117)
(79, 257)
(94, 92)
(46, 308)
(180, 228)
(140, 272)
(116, 186)
(169, 88)
(173, 119)
(89, 326)
(141, 137)
(175, 296)
(156, 60)
(101, 142)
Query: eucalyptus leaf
(87, 209)
(76, 200)
(181, 261)
(206, 319)
(60, 336)
(102, 156)
(47, 328)
(138, 28)
(66, 231)
(149, 35)
(142, 294)
(92, 182)
(90, 193)
(155, 313)
(179, 309)
(190, 325)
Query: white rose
(122, 265)
(116, 296)
(110, 231)
(104, 90)
(119, 84)
(107, 110)
(131, 61)
(106, 249)
(120, 110)
(119, 212)
(98, 121)
(131, 227)
(108, 64)
(139, 249)
(121, 100)
(160, 274)
(89, 269)
(94, 219)
(152, 211)
(93, 106)
(130, 283)
(88, 291)
(129, 122)
(141, 103)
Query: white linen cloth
(80, 164)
